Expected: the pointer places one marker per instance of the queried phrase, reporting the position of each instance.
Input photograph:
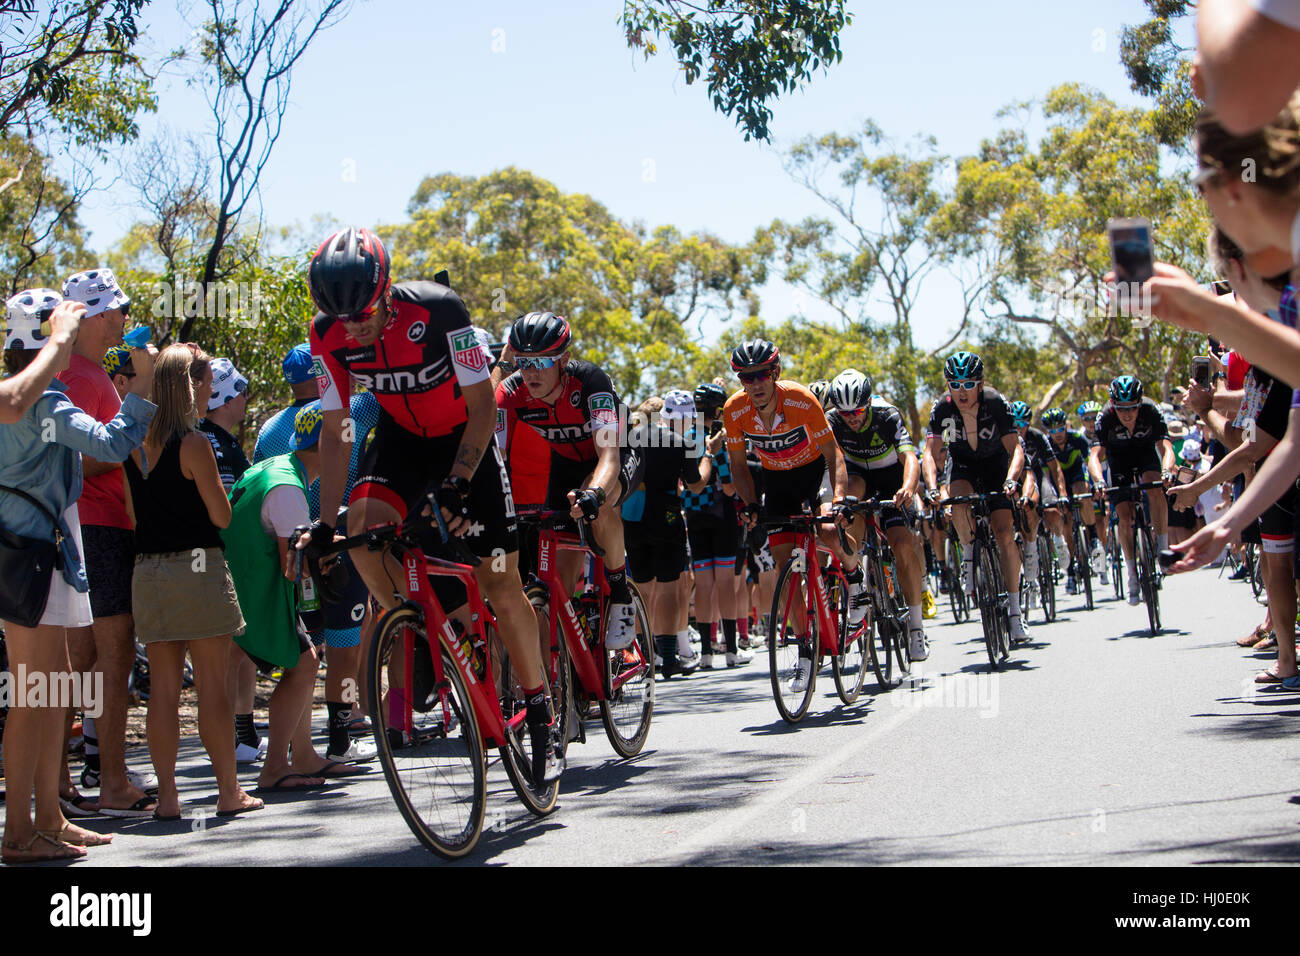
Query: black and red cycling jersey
(426, 354)
(587, 403)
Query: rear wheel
(435, 764)
(849, 666)
(788, 650)
(630, 687)
(880, 633)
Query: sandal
(1267, 643)
(65, 835)
(1269, 676)
(1254, 637)
(63, 851)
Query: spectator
(1248, 59)
(108, 645)
(225, 413)
(117, 363)
(38, 341)
(182, 590)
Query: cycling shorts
(1277, 525)
(713, 543)
(883, 483)
(1126, 468)
(567, 475)
(788, 491)
(340, 620)
(655, 554)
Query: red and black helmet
(540, 333)
(753, 354)
(349, 272)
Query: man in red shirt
(109, 643)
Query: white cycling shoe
(918, 648)
(622, 627)
(802, 674)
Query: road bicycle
(1144, 548)
(620, 683)
(1044, 585)
(886, 624)
(958, 600)
(991, 595)
(1116, 555)
(441, 694)
(1082, 557)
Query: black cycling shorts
(1126, 468)
(883, 483)
(713, 540)
(655, 552)
(788, 491)
(344, 614)
(567, 475)
(1277, 524)
(986, 476)
(399, 467)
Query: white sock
(1162, 541)
(914, 615)
(684, 643)
(1013, 599)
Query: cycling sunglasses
(536, 361)
(1056, 431)
(362, 316)
(964, 386)
(1128, 408)
(752, 378)
(1090, 418)
(1021, 422)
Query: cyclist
(1132, 434)
(1088, 413)
(572, 404)
(414, 347)
(974, 423)
(880, 461)
(1071, 450)
(786, 427)
(1038, 486)
(821, 390)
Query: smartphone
(1167, 557)
(715, 426)
(1130, 249)
(1186, 475)
(1201, 370)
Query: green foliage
(1159, 67)
(751, 51)
(40, 238)
(514, 243)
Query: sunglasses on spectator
(1205, 176)
(752, 378)
(964, 386)
(536, 361)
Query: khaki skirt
(184, 596)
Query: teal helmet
(963, 366)
(1021, 413)
(1127, 389)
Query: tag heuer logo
(317, 367)
(468, 352)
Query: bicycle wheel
(1047, 578)
(849, 666)
(517, 752)
(786, 647)
(1083, 563)
(1255, 571)
(1146, 563)
(880, 630)
(630, 686)
(986, 597)
(1116, 566)
(436, 768)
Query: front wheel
(1146, 563)
(1083, 558)
(792, 644)
(433, 759)
(630, 687)
(1047, 578)
(849, 665)
(988, 599)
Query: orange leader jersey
(797, 432)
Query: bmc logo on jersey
(466, 350)
(602, 410)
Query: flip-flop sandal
(281, 787)
(144, 807)
(235, 813)
(349, 770)
(1268, 677)
(79, 805)
(161, 818)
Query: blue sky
(401, 89)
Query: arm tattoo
(469, 456)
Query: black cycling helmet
(753, 354)
(710, 396)
(1127, 389)
(821, 390)
(540, 333)
(963, 366)
(349, 272)
(1021, 412)
(1054, 417)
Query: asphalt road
(1099, 745)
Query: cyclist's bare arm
(835, 465)
(744, 484)
(933, 447)
(335, 454)
(1094, 465)
(1012, 444)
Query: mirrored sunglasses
(536, 361)
(750, 378)
(964, 386)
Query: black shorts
(986, 476)
(655, 553)
(1187, 519)
(1277, 524)
(1129, 467)
(713, 540)
(567, 474)
(344, 614)
(883, 483)
(110, 563)
(788, 491)
(304, 642)
(399, 467)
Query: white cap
(226, 383)
(678, 404)
(97, 290)
(25, 313)
(1191, 450)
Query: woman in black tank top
(182, 594)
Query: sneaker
(1239, 574)
(622, 627)
(858, 603)
(802, 674)
(929, 610)
(1018, 633)
(359, 751)
(708, 662)
(1071, 586)
(968, 578)
(739, 659)
(918, 648)
(687, 664)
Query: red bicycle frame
(805, 539)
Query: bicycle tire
(956, 594)
(1083, 562)
(1147, 570)
(1255, 572)
(986, 597)
(880, 631)
(1047, 579)
(627, 712)
(438, 779)
(783, 645)
(517, 751)
(1117, 565)
(849, 666)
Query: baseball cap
(306, 426)
(115, 359)
(1191, 450)
(227, 383)
(97, 290)
(678, 403)
(297, 364)
(26, 312)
